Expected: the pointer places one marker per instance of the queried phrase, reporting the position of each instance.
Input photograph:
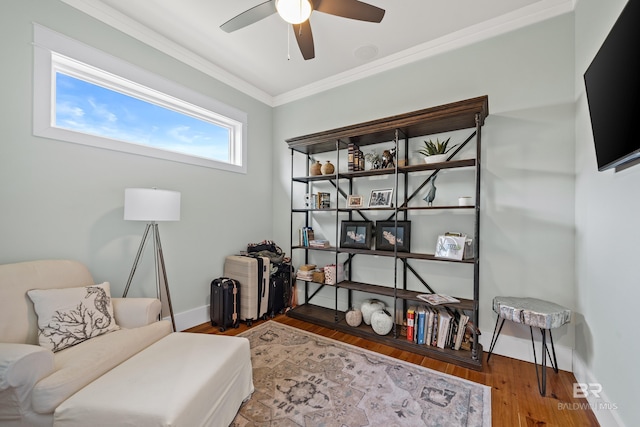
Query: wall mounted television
(612, 83)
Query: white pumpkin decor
(368, 307)
(381, 322)
(353, 317)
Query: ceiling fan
(297, 13)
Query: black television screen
(612, 84)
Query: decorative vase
(315, 169)
(381, 322)
(327, 168)
(368, 307)
(353, 317)
(436, 158)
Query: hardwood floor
(515, 400)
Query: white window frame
(54, 52)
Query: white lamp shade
(151, 204)
(294, 11)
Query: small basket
(318, 276)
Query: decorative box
(330, 275)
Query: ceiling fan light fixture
(294, 11)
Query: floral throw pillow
(69, 316)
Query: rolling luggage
(280, 286)
(225, 303)
(252, 274)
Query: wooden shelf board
(443, 118)
(401, 255)
(327, 317)
(451, 164)
(464, 304)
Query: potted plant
(434, 152)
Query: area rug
(303, 379)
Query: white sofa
(34, 381)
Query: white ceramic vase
(368, 307)
(436, 158)
(381, 322)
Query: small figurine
(388, 158)
(431, 194)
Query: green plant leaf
(431, 148)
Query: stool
(534, 313)
(184, 379)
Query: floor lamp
(152, 205)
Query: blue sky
(88, 108)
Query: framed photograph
(387, 235)
(356, 234)
(355, 201)
(381, 198)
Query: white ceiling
(263, 59)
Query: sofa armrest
(21, 367)
(136, 312)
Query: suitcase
(225, 302)
(280, 286)
(252, 274)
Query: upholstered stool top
(531, 311)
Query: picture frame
(381, 198)
(356, 234)
(387, 236)
(355, 201)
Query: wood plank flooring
(515, 400)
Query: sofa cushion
(79, 365)
(69, 316)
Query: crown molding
(529, 15)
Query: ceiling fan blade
(250, 16)
(304, 38)
(353, 9)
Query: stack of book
(305, 272)
(319, 243)
(442, 327)
(355, 158)
(324, 200)
(305, 235)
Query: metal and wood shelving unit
(468, 114)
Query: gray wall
(607, 231)
(63, 200)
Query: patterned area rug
(302, 379)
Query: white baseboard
(189, 319)
(521, 349)
(604, 410)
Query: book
(434, 332)
(467, 339)
(306, 235)
(462, 326)
(436, 299)
(411, 311)
(444, 323)
(429, 325)
(421, 324)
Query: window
(94, 99)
